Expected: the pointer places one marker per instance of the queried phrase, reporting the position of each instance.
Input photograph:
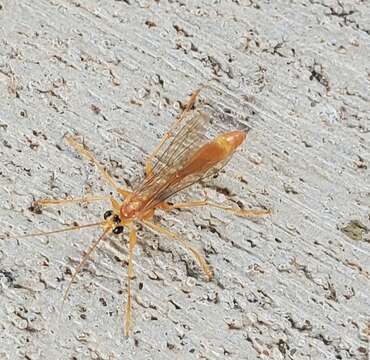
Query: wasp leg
(188, 106)
(88, 155)
(200, 203)
(85, 199)
(130, 275)
(199, 258)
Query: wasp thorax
(130, 208)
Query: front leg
(84, 199)
(89, 155)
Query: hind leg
(199, 258)
(200, 203)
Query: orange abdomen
(212, 153)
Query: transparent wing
(170, 189)
(188, 137)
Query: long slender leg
(88, 155)
(130, 275)
(85, 199)
(168, 134)
(82, 262)
(161, 230)
(199, 203)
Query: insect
(183, 157)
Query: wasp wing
(186, 140)
(169, 189)
(188, 137)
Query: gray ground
(292, 286)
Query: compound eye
(108, 214)
(118, 230)
(116, 219)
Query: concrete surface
(292, 286)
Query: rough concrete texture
(291, 286)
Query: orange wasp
(183, 157)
